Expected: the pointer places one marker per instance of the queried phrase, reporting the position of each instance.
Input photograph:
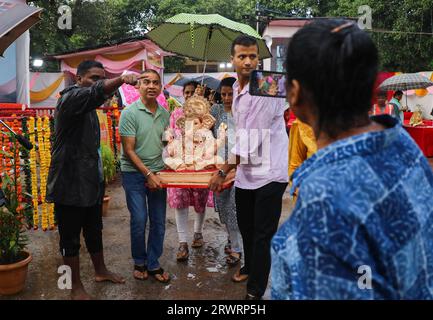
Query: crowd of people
(363, 190)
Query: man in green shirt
(142, 125)
(398, 109)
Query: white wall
(277, 32)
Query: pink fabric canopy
(149, 51)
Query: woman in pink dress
(182, 199)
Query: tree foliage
(397, 24)
(397, 27)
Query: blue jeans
(142, 203)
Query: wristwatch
(221, 173)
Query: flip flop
(143, 270)
(233, 258)
(159, 275)
(183, 252)
(198, 241)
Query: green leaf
(12, 244)
(28, 195)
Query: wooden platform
(190, 179)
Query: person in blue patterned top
(225, 201)
(362, 227)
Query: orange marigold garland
(49, 207)
(33, 169)
(109, 129)
(42, 170)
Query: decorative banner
(103, 123)
(51, 90)
(176, 91)
(114, 66)
(128, 93)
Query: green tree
(397, 24)
(93, 23)
(397, 27)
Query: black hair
(382, 94)
(244, 40)
(336, 64)
(217, 98)
(86, 65)
(191, 83)
(227, 82)
(398, 93)
(152, 71)
(207, 92)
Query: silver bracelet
(149, 173)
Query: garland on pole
(110, 129)
(114, 139)
(25, 155)
(48, 207)
(42, 173)
(33, 169)
(16, 127)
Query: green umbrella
(205, 37)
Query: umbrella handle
(204, 71)
(205, 52)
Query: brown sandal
(140, 270)
(233, 258)
(240, 276)
(160, 275)
(183, 252)
(198, 241)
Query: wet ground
(191, 280)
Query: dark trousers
(71, 220)
(258, 213)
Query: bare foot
(109, 276)
(80, 294)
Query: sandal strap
(157, 271)
(183, 248)
(140, 268)
(242, 271)
(232, 259)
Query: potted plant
(109, 168)
(14, 259)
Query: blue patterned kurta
(363, 201)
